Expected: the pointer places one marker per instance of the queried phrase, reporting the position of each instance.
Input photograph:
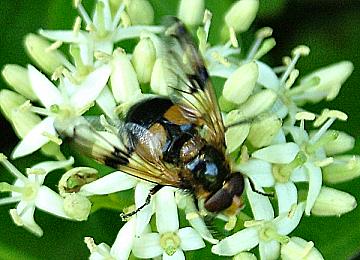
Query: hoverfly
(176, 141)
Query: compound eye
(219, 201)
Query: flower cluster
(267, 139)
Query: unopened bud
(298, 248)
(24, 121)
(235, 136)
(143, 59)
(245, 256)
(38, 48)
(9, 100)
(239, 86)
(77, 206)
(124, 83)
(344, 168)
(140, 11)
(255, 105)
(341, 144)
(332, 202)
(162, 78)
(241, 14)
(263, 131)
(191, 12)
(17, 77)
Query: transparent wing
(194, 92)
(132, 149)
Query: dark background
(330, 28)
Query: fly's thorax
(209, 168)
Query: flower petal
(267, 76)
(147, 246)
(242, 240)
(49, 201)
(44, 89)
(142, 190)
(124, 240)
(61, 35)
(107, 103)
(278, 153)
(259, 171)
(91, 87)
(27, 218)
(260, 204)
(286, 223)
(315, 182)
(178, 255)
(299, 175)
(287, 196)
(49, 166)
(35, 138)
(113, 182)
(190, 239)
(269, 250)
(167, 219)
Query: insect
(174, 141)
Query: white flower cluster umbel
(271, 147)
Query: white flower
(102, 31)
(170, 241)
(266, 231)
(30, 193)
(121, 248)
(62, 106)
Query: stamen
(77, 25)
(117, 17)
(305, 116)
(207, 23)
(36, 171)
(265, 47)
(84, 15)
(313, 82)
(9, 200)
(90, 243)
(101, 29)
(26, 106)
(12, 169)
(52, 138)
(230, 225)
(299, 51)
(253, 223)
(324, 162)
(326, 113)
(233, 39)
(54, 46)
(6, 187)
(293, 76)
(260, 36)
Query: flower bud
(332, 202)
(77, 206)
(17, 77)
(344, 168)
(143, 59)
(242, 14)
(298, 248)
(331, 79)
(263, 131)
(254, 106)
(9, 100)
(24, 121)
(124, 83)
(244, 256)
(341, 144)
(191, 12)
(39, 50)
(239, 86)
(235, 136)
(162, 79)
(140, 11)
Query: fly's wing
(194, 92)
(133, 150)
